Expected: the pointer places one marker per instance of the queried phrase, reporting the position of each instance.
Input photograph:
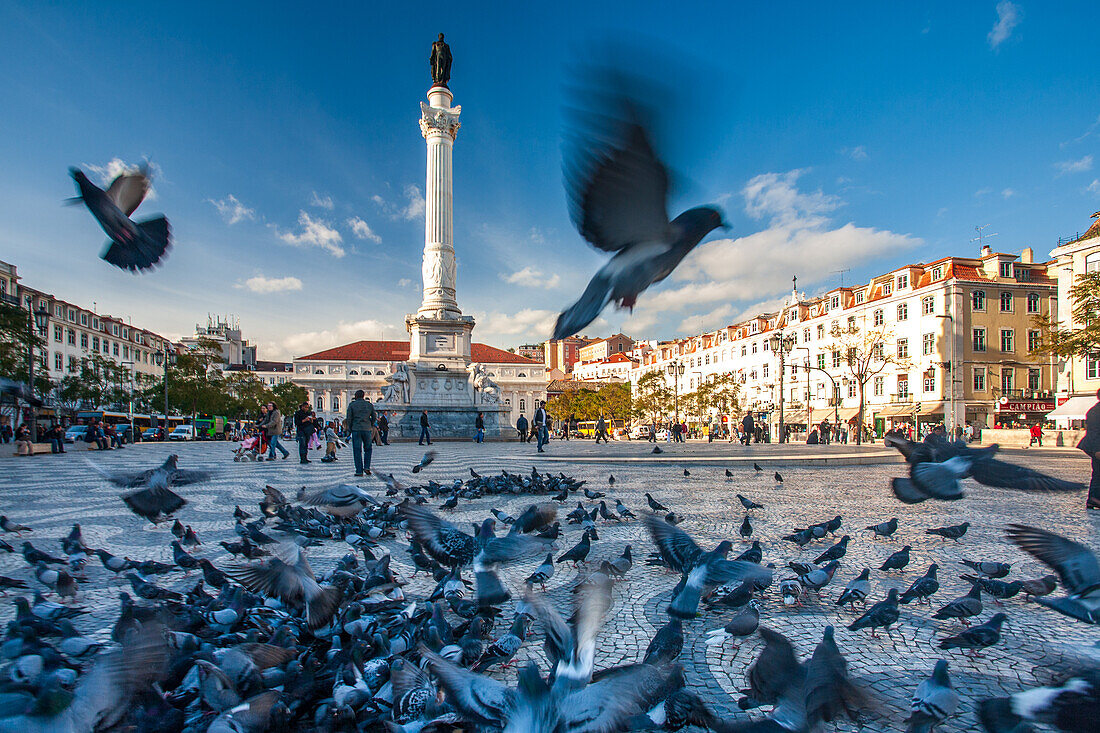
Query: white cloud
(529, 277)
(321, 202)
(726, 314)
(799, 240)
(1074, 166)
(362, 229)
(1008, 17)
(1091, 129)
(115, 167)
(859, 152)
(261, 284)
(982, 192)
(315, 233)
(532, 322)
(232, 210)
(404, 282)
(1008, 193)
(308, 342)
(1094, 187)
(412, 208)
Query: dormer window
(887, 288)
(1006, 269)
(903, 281)
(859, 297)
(937, 273)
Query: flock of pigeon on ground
(264, 643)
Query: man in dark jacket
(384, 429)
(1090, 444)
(424, 434)
(521, 428)
(542, 421)
(747, 426)
(359, 421)
(479, 428)
(303, 431)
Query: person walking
(521, 428)
(359, 421)
(1036, 435)
(384, 429)
(652, 431)
(424, 425)
(601, 430)
(1090, 444)
(479, 428)
(5, 429)
(332, 441)
(541, 420)
(272, 424)
(747, 425)
(303, 431)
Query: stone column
(439, 124)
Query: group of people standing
(538, 428)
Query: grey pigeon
(618, 194)
(962, 608)
(667, 643)
(897, 561)
(19, 391)
(856, 590)
(881, 615)
(425, 461)
(133, 245)
(773, 673)
(837, 551)
(343, 500)
(749, 503)
(923, 587)
(954, 532)
(1039, 587)
(977, 637)
(937, 465)
(288, 577)
(1076, 565)
(934, 701)
(1070, 706)
(885, 529)
(988, 568)
(742, 625)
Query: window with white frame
(744, 350)
(836, 359)
(821, 330)
(1092, 366)
(1008, 379)
(903, 386)
(764, 371)
(859, 297)
(1032, 302)
(58, 364)
(1092, 262)
(1008, 340)
(903, 311)
(1006, 269)
(928, 305)
(903, 348)
(978, 339)
(928, 344)
(335, 403)
(937, 273)
(930, 382)
(879, 386)
(979, 379)
(878, 351)
(805, 335)
(58, 334)
(1034, 340)
(1006, 301)
(887, 288)
(977, 300)
(876, 317)
(903, 281)
(852, 390)
(820, 361)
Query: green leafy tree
(651, 396)
(287, 396)
(1081, 336)
(866, 355)
(17, 337)
(99, 383)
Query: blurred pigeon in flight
(19, 391)
(618, 196)
(133, 245)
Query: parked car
(639, 432)
(75, 433)
(152, 434)
(662, 434)
(182, 432)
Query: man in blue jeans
(359, 421)
(541, 431)
(424, 434)
(272, 424)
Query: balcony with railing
(903, 397)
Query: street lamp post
(676, 370)
(132, 366)
(783, 345)
(834, 400)
(166, 358)
(950, 369)
(36, 319)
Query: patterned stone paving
(51, 492)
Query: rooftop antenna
(982, 236)
(841, 273)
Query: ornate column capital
(441, 119)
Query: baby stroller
(249, 449)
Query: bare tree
(865, 353)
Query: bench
(36, 449)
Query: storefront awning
(1072, 409)
(904, 410)
(847, 413)
(936, 409)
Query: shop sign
(1025, 406)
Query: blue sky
(855, 135)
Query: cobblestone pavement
(52, 492)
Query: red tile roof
(399, 351)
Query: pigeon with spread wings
(618, 193)
(133, 245)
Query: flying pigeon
(1070, 706)
(288, 577)
(19, 391)
(1076, 565)
(937, 465)
(133, 245)
(424, 462)
(618, 193)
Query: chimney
(986, 251)
(1026, 256)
